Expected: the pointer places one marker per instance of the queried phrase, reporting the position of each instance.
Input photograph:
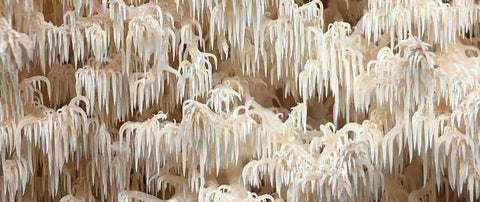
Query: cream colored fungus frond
(16, 47)
(239, 100)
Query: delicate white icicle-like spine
(97, 40)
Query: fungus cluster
(239, 100)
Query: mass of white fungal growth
(149, 34)
(458, 160)
(330, 73)
(77, 5)
(297, 117)
(157, 149)
(427, 19)
(287, 41)
(118, 13)
(223, 20)
(96, 38)
(232, 193)
(113, 88)
(196, 75)
(16, 47)
(215, 139)
(30, 89)
(455, 83)
(320, 168)
(9, 141)
(226, 94)
(15, 177)
(426, 129)
(466, 114)
(252, 100)
(98, 145)
(53, 132)
(148, 89)
(406, 78)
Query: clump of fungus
(226, 100)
